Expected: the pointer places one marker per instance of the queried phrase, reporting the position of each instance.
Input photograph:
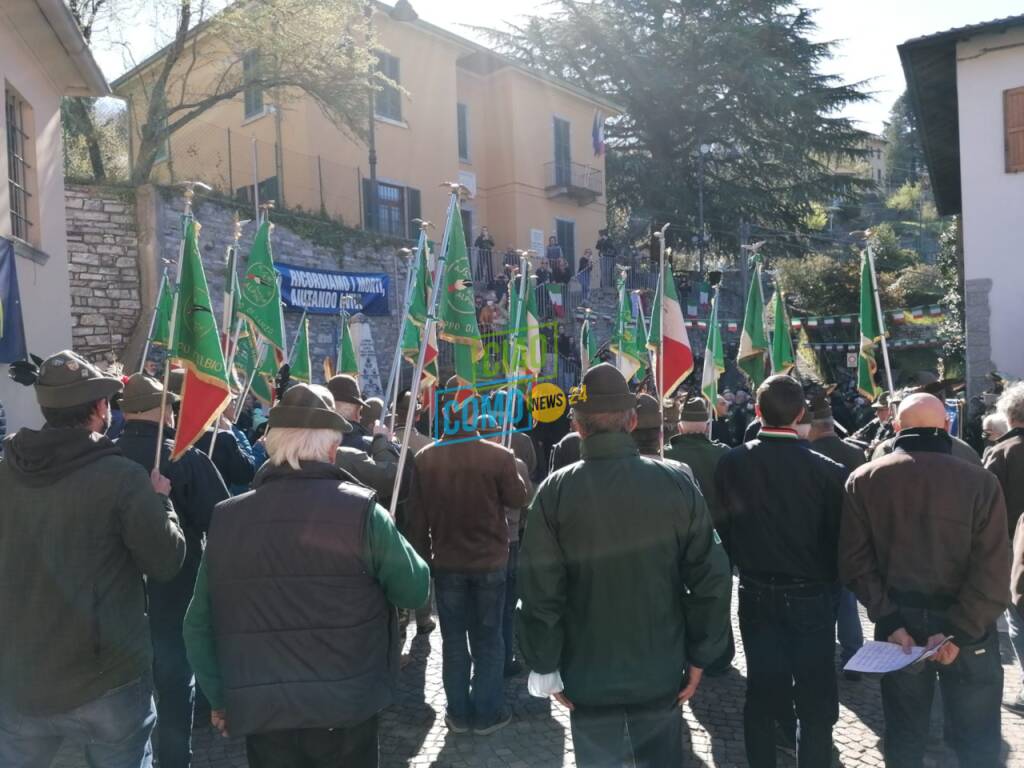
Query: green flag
(783, 360)
(624, 341)
(348, 363)
(457, 314)
(754, 339)
(870, 333)
(164, 308)
(301, 365)
(640, 350)
(246, 357)
(808, 366)
(196, 345)
(714, 357)
(415, 322)
(260, 293)
(588, 346)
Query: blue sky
(867, 32)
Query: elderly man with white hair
(1005, 459)
(923, 546)
(292, 630)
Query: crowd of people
(264, 565)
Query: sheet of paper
(879, 658)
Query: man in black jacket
(781, 505)
(196, 487)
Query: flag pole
(435, 295)
(881, 317)
(295, 343)
(391, 400)
(659, 376)
(261, 354)
(524, 279)
(186, 218)
(152, 321)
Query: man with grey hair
(306, 560)
(1005, 459)
(624, 589)
(923, 545)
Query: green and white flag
(783, 360)
(164, 308)
(624, 341)
(301, 366)
(714, 357)
(588, 346)
(527, 335)
(870, 333)
(261, 294)
(754, 339)
(348, 362)
(457, 316)
(416, 321)
(556, 292)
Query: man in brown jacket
(461, 488)
(1005, 459)
(923, 546)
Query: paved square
(413, 731)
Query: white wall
(993, 200)
(44, 287)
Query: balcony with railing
(582, 183)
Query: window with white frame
(20, 173)
(388, 103)
(253, 91)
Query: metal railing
(574, 176)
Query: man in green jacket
(624, 588)
(292, 631)
(80, 525)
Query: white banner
(366, 353)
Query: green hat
(402, 407)
(695, 409)
(604, 390)
(882, 401)
(648, 414)
(66, 380)
(345, 389)
(306, 407)
(143, 393)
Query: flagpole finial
(239, 223)
(660, 234)
(456, 189)
(423, 224)
(265, 208)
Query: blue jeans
(654, 730)
(471, 605)
(788, 635)
(508, 619)
(1015, 623)
(849, 630)
(114, 728)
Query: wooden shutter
(1013, 116)
(412, 201)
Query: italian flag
(668, 333)
(556, 293)
(196, 346)
(754, 339)
(527, 334)
(870, 333)
(714, 357)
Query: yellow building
(522, 142)
(43, 58)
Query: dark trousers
(508, 618)
(172, 675)
(351, 747)
(788, 634)
(972, 689)
(470, 606)
(653, 735)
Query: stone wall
(353, 255)
(112, 300)
(103, 270)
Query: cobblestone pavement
(413, 731)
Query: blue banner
(320, 292)
(12, 329)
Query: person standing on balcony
(606, 249)
(556, 259)
(583, 274)
(484, 245)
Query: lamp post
(402, 12)
(705, 150)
